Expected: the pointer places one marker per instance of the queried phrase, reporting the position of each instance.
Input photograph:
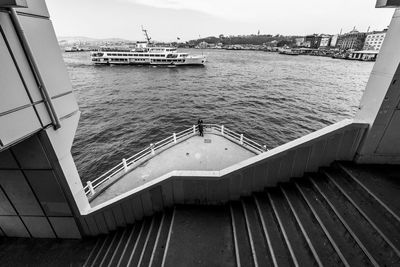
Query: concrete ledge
(13, 3)
(338, 142)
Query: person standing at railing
(200, 126)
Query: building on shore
(334, 40)
(374, 40)
(324, 40)
(317, 41)
(353, 40)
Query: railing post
(152, 149)
(265, 147)
(125, 165)
(194, 129)
(90, 186)
(222, 129)
(174, 135)
(241, 139)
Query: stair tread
(374, 243)
(299, 245)
(203, 240)
(381, 180)
(322, 246)
(260, 246)
(384, 221)
(280, 250)
(350, 250)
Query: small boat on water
(289, 52)
(146, 54)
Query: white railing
(129, 163)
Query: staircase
(344, 215)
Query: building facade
(353, 40)
(374, 40)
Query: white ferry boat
(146, 56)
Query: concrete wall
(380, 104)
(306, 154)
(40, 189)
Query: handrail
(129, 163)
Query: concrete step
(148, 247)
(162, 239)
(243, 251)
(339, 216)
(375, 246)
(280, 253)
(320, 245)
(380, 181)
(130, 245)
(201, 236)
(341, 238)
(381, 220)
(259, 245)
(302, 254)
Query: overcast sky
(187, 19)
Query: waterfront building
(299, 41)
(353, 40)
(316, 41)
(374, 40)
(328, 198)
(312, 41)
(334, 40)
(324, 40)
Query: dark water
(269, 97)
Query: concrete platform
(209, 153)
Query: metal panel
(101, 223)
(12, 94)
(168, 195)
(92, 225)
(137, 207)
(300, 161)
(156, 198)
(5, 206)
(235, 183)
(260, 175)
(35, 7)
(178, 191)
(146, 202)
(390, 142)
(65, 227)
(13, 226)
(7, 161)
(17, 125)
(48, 57)
(119, 216)
(285, 170)
(31, 155)
(65, 105)
(19, 193)
(49, 192)
(38, 227)
(344, 152)
(110, 220)
(317, 150)
(19, 56)
(248, 180)
(333, 143)
(128, 213)
(273, 170)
